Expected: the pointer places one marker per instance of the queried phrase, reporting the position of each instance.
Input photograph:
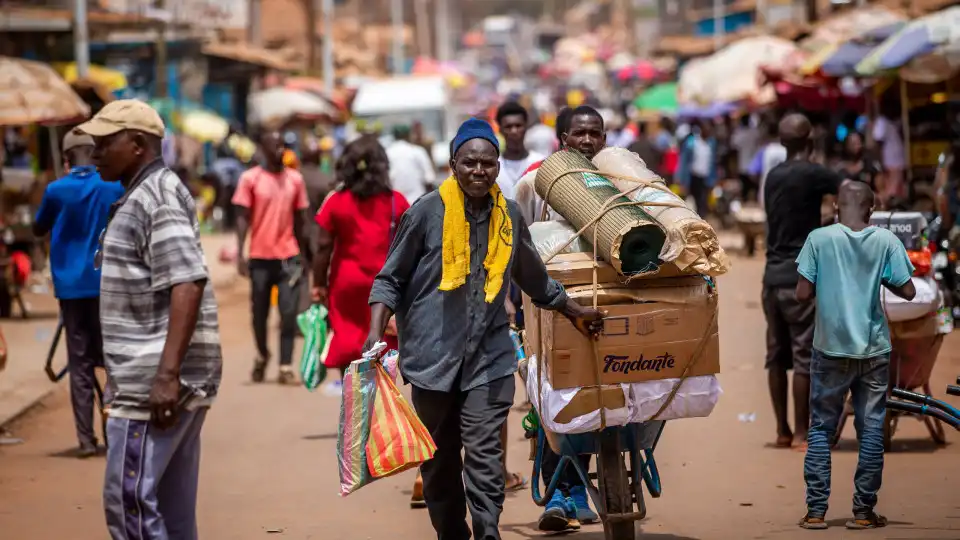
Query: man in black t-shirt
(793, 194)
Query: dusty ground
(269, 465)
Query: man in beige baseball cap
(128, 135)
(161, 337)
(124, 114)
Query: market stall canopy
(733, 73)
(256, 56)
(279, 105)
(110, 79)
(661, 98)
(192, 120)
(842, 60)
(339, 98)
(849, 25)
(398, 95)
(33, 93)
(867, 25)
(931, 44)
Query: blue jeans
(830, 379)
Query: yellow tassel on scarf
(456, 240)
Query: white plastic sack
(554, 401)
(925, 302)
(549, 236)
(696, 398)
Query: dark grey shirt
(455, 338)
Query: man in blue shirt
(74, 212)
(844, 266)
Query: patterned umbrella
(842, 61)
(642, 71)
(934, 33)
(278, 105)
(33, 93)
(661, 98)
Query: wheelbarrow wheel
(614, 487)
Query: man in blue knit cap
(454, 255)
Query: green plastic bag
(313, 324)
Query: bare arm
(806, 290)
(321, 264)
(243, 226)
(300, 233)
(907, 291)
(380, 315)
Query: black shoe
(553, 520)
(87, 450)
(259, 371)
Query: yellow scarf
(456, 240)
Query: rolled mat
(626, 236)
(692, 245)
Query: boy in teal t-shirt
(844, 266)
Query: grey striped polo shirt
(151, 244)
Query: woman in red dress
(356, 228)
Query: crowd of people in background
(315, 224)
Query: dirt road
(269, 464)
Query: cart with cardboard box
(660, 332)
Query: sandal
(516, 482)
(813, 523)
(870, 520)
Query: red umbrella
(643, 70)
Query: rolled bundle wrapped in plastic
(627, 237)
(692, 246)
(550, 236)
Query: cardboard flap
(678, 291)
(588, 400)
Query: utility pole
(310, 9)
(161, 51)
(423, 28)
(81, 38)
(329, 68)
(253, 23)
(442, 31)
(396, 16)
(719, 25)
(811, 7)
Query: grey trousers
(150, 490)
(467, 421)
(81, 324)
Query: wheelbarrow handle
(926, 401)
(48, 367)
(925, 410)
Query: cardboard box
(577, 269)
(655, 337)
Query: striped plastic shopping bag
(359, 391)
(313, 325)
(398, 439)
